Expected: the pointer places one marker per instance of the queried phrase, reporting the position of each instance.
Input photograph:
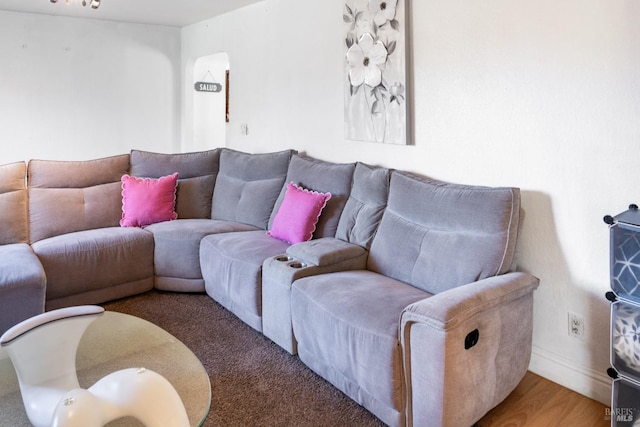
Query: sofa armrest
(473, 341)
(448, 309)
(326, 251)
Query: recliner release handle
(471, 339)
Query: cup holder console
(291, 262)
(297, 264)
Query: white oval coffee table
(117, 341)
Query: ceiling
(177, 13)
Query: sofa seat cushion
(22, 285)
(232, 270)
(346, 325)
(93, 266)
(177, 251)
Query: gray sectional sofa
(406, 298)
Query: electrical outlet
(576, 325)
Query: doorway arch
(210, 108)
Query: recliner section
(435, 241)
(232, 263)
(348, 250)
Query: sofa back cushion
(436, 236)
(248, 186)
(364, 208)
(68, 196)
(13, 204)
(197, 174)
(324, 177)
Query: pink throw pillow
(148, 200)
(298, 214)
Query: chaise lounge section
(403, 292)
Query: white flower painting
(375, 103)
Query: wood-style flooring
(538, 402)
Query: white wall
(541, 95)
(80, 89)
(242, 35)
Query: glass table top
(117, 341)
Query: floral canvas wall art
(375, 98)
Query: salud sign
(207, 87)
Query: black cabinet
(625, 316)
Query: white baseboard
(586, 381)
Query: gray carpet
(253, 381)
